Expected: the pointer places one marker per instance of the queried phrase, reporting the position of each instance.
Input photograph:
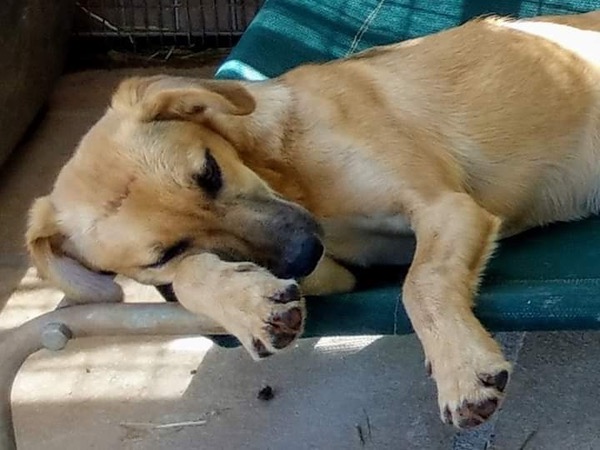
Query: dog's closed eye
(170, 253)
(210, 179)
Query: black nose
(300, 258)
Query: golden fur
(461, 138)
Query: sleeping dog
(236, 192)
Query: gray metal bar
(189, 23)
(146, 18)
(161, 22)
(232, 19)
(155, 33)
(54, 329)
(217, 24)
(202, 21)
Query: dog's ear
(173, 98)
(44, 242)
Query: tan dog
(461, 137)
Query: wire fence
(177, 23)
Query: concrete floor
(330, 393)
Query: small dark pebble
(266, 393)
(193, 372)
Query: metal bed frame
(53, 331)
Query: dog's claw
(447, 418)
(473, 414)
(260, 349)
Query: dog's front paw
(281, 324)
(266, 314)
(470, 389)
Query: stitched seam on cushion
(500, 280)
(364, 27)
(396, 310)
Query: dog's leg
(328, 278)
(455, 236)
(265, 313)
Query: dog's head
(152, 182)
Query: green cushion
(541, 280)
(286, 33)
(545, 279)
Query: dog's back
(511, 107)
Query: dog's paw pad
(290, 294)
(497, 381)
(470, 415)
(282, 340)
(284, 327)
(290, 320)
